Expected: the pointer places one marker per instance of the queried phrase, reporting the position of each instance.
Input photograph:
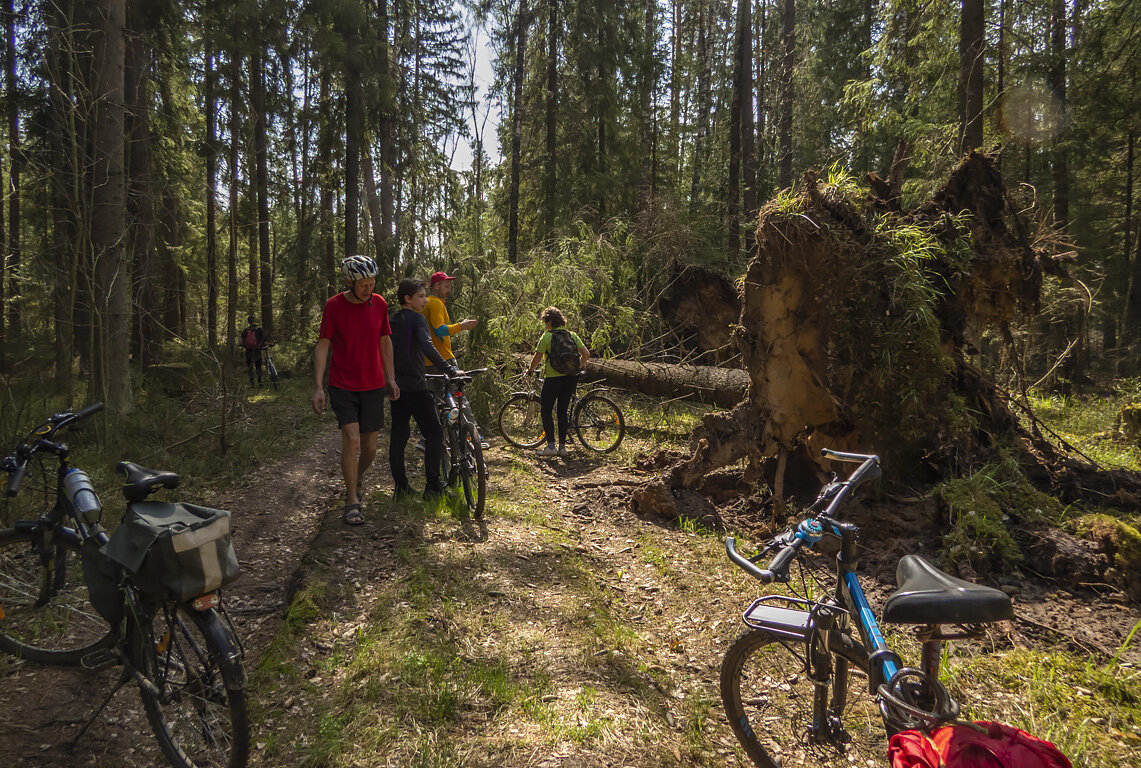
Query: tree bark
(516, 132)
(748, 130)
(265, 261)
(147, 284)
(788, 62)
(235, 186)
(111, 373)
(972, 51)
(551, 176)
(723, 387)
(211, 98)
(354, 119)
(63, 177)
(1057, 84)
(325, 174)
(704, 99)
(15, 158)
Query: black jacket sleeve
(420, 330)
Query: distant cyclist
(253, 341)
(566, 356)
(356, 333)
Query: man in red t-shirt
(355, 330)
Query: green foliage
(1114, 536)
(981, 507)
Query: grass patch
(1090, 712)
(1090, 422)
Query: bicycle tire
(520, 422)
(271, 369)
(473, 472)
(768, 698)
(200, 714)
(67, 627)
(599, 423)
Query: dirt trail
(276, 516)
(625, 619)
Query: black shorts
(363, 408)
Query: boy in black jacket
(411, 342)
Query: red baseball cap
(438, 277)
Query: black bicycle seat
(926, 595)
(142, 482)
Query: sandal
(352, 514)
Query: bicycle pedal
(101, 659)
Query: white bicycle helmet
(358, 268)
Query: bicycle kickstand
(123, 680)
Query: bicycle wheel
(473, 472)
(45, 611)
(767, 694)
(599, 424)
(271, 369)
(199, 714)
(520, 422)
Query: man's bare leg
(351, 458)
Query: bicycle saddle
(142, 482)
(926, 595)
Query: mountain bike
(64, 599)
(464, 465)
(813, 682)
(270, 368)
(596, 418)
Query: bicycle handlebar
(17, 463)
(778, 567)
(790, 543)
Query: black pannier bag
(175, 551)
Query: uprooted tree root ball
(857, 330)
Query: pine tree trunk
(972, 50)
(748, 130)
(704, 106)
(147, 283)
(1057, 84)
(788, 63)
(15, 158)
(111, 373)
(265, 260)
(325, 173)
(387, 128)
(211, 197)
(354, 119)
(516, 133)
(63, 246)
(235, 186)
(549, 202)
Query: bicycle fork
(827, 705)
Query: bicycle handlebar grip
(855, 458)
(90, 410)
(15, 477)
(779, 565)
(761, 575)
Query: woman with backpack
(566, 357)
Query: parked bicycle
(464, 465)
(787, 682)
(145, 598)
(270, 368)
(596, 418)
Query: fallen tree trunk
(724, 387)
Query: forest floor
(561, 630)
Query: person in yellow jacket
(440, 286)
